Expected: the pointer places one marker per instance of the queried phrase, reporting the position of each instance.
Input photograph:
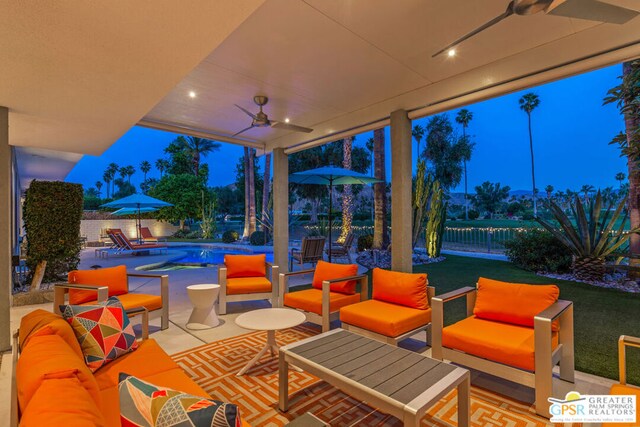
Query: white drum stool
(203, 298)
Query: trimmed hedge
(365, 242)
(258, 238)
(538, 251)
(230, 236)
(52, 212)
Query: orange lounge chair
(88, 287)
(399, 308)
(127, 245)
(333, 287)
(244, 278)
(514, 331)
(147, 236)
(623, 388)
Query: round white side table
(270, 320)
(203, 298)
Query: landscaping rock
(618, 281)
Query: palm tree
(620, 176)
(122, 172)
(129, 171)
(99, 188)
(162, 165)
(145, 167)
(528, 103)
(418, 133)
(380, 226)
(266, 190)
(464, 117)
(347, 193)
(586, 190)
(369, 145)
(252, 191)
(549, 190)
(198, 147)
(106, 177)
(113, 169)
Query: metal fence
(478, 239)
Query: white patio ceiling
(77, 75)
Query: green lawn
(600, 315)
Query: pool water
(211, 255)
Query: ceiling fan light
(286, 120)
(192, 94)
(451, 53)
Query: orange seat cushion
(174, 378)
(400, 288)
(328, 271)
(129, 301)
(248, 285)
(41, 322)
(384, 318)
(505, 343)
(620, 389)
(62, 402)
(148, 359)
(48, 356)
(246, 265)
(512, 302)
(113, 277)
(311, 300)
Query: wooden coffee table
(399, 382)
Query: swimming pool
(203, 255)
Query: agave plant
(592, 237)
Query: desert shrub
(258, 238)
(52, 213)
(473, 214)
(181, 234)
(537, 250)
(365, 242)
(230, 236)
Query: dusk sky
(571, 131)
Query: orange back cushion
(62, 402)
(328, 271)
(246, 265)
(40, 322)
(513, 303)
(46, 357)
(113, 277)
(406, 289)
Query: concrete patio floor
(178, 338)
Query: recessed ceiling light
(192, 94)
(286, 120)
(451, 52)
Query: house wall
(93, 229)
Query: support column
(281, 209)
(6, 232)
(401, 205)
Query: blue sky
(571, 131)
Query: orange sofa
(514, 331)
(53, 386)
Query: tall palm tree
(380, 226)
(99, 188)
(245, 165)
(464, 117)
(586, 190)
(528, 103)
(129, 171)
(620, 176)
(418, 133)
(549, 190)
(106, 177)
(197, 148)
(252, 191)
(162, 166)
(266, 184)
(113, 169)
(145, 167)
(369, 145)
(347, 193)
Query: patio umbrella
(137, 203)
(331, 176)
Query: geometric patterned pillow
(103, 331)
(146, 405)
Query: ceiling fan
(592, 10)
(260, 119)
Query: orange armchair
(333, 287)
(244, 278)
(90, 286)
(400, 308)
(623, 388)
(514, 331)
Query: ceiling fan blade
(243, 130)
(591, 10)
(483, 27)
(289, 126)
(247, 112)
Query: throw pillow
(145, 405)
(103, 331)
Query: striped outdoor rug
(214, 366)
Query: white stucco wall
(92, 229)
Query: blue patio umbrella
(137, 202)
(331, 176)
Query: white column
(6, 229)
(401, 206)
(281, 209)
